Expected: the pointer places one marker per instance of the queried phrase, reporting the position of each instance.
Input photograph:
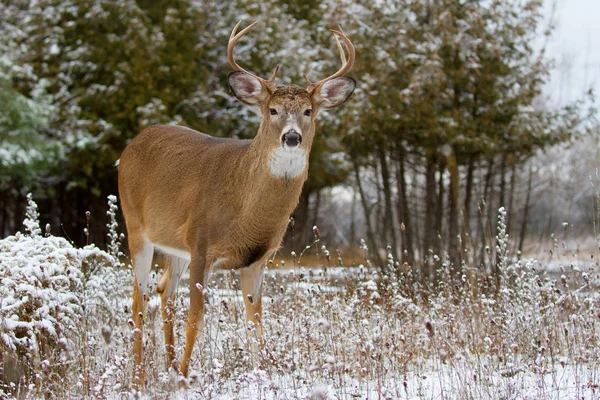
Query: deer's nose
(291, 138)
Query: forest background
(449, 121)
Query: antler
(233, 39)
(346, 65)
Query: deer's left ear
(334, 92)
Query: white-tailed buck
(211, 203)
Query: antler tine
(346, 64)
(308, 82)
(233, 39)
(232, 34)
(351, 54)
(274, 75)
(341, 49)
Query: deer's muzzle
(291, 139)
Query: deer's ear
(334, 92)
(247, 88)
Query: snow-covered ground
(330, 333)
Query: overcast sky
(575, 47)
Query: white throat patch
(287, 163)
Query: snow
(330, 333)
(346, 338)
(39, 283)
(43, 294)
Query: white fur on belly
(174, 252)
(287, 163)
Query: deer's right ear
(247, 88)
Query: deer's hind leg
(167, 287)
(142, 252)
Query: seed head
(429, 329)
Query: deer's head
(288, 112)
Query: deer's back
(171, 177)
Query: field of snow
(330, 333)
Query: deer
(208, 202)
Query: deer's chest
(287, 163)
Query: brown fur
(217, 192)
(214, 199)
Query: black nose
(291, 138)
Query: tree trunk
(352, 238)
(20, 210)
(484, 211)
(549, 193)
(388, 223)
(378, 210)
(453, 223)
(4, 215)
(439, 215)
(511, 196)
(488, 181)
(315, 220)
(526, 210)
(429, 233)
(363, 199)
(297, 234)
(403, 210)
(467, 247)
(416, 209)
(502, 196)
(468, 195)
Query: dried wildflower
(32, 218)
(323, 324)
(429, 327)
(106, 333)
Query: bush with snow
(44, 292)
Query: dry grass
(348, 332)
(361, 334)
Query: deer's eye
(273, 111)
(308, 112)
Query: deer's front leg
(195, 322)
(251, 279)
(167, 287)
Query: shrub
(43, 284)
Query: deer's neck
(261, 214)
(279, 165)
(275, 176)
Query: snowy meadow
(331, 331)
